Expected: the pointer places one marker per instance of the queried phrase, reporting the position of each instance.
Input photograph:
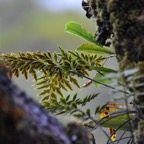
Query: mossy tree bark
(124, 19)
(127, 18)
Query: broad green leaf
(76, 29)
(102, 79)
(96, 49)
(116, 122)
(103, 69)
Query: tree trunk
(125, 20)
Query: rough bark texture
(127, 18)
(124, 19)
(23, 121)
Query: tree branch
(23, 121)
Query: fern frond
(68, 105)
(54, 68)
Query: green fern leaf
(95, 49)
(76, 29)
(116, 122)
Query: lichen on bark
(24, 121)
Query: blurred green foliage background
(26, 26)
